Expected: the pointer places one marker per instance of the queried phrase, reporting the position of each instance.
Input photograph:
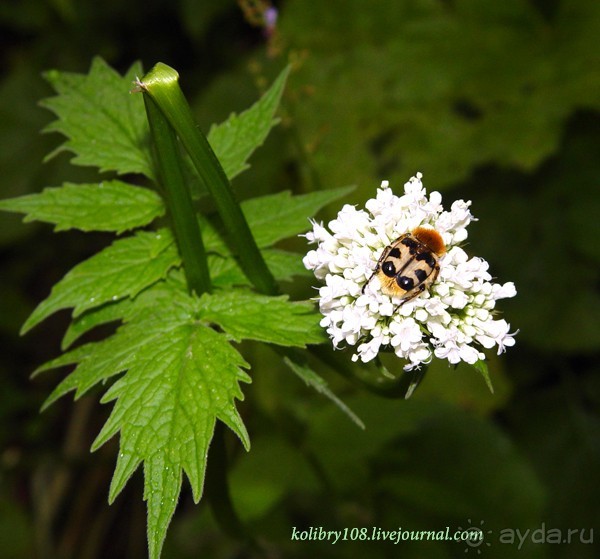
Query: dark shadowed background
(494, 101)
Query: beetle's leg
(383, 256)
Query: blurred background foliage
(496, 102)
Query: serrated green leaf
(177, 385)
(241, 314)
(482, 367)
(311, 378)
(277, 216)
(105, 126)
(179, 377)
(247, 315)
(234, 140)
(106, 206)
(123, 269)
(162, 486)
(213, 242)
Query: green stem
(178, 200)
(162, 85)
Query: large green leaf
(284, 265)
(179, 376)
(106, 206)
(275, 217)
(181, 381)
(105, 126)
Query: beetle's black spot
(428, 258)
(411, 243)
(389, 269)
(405, 283)
(421, 275)
(395, 253)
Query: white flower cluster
(453, 320)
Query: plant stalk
(178, 200)
(162, 85)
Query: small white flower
(453, 320)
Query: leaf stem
(178, 200)
(162, 85)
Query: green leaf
(482, 367)
(106, 206)
(213, 241)
(105, 126)
(234, 140)
(166, 409)
(73, 357)
(224, 273)
(181, 376)
(247, 315)
(96, 362)
(275, 217)
(311, 378)
(121, 270)
(172, 300)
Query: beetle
(410, 265)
